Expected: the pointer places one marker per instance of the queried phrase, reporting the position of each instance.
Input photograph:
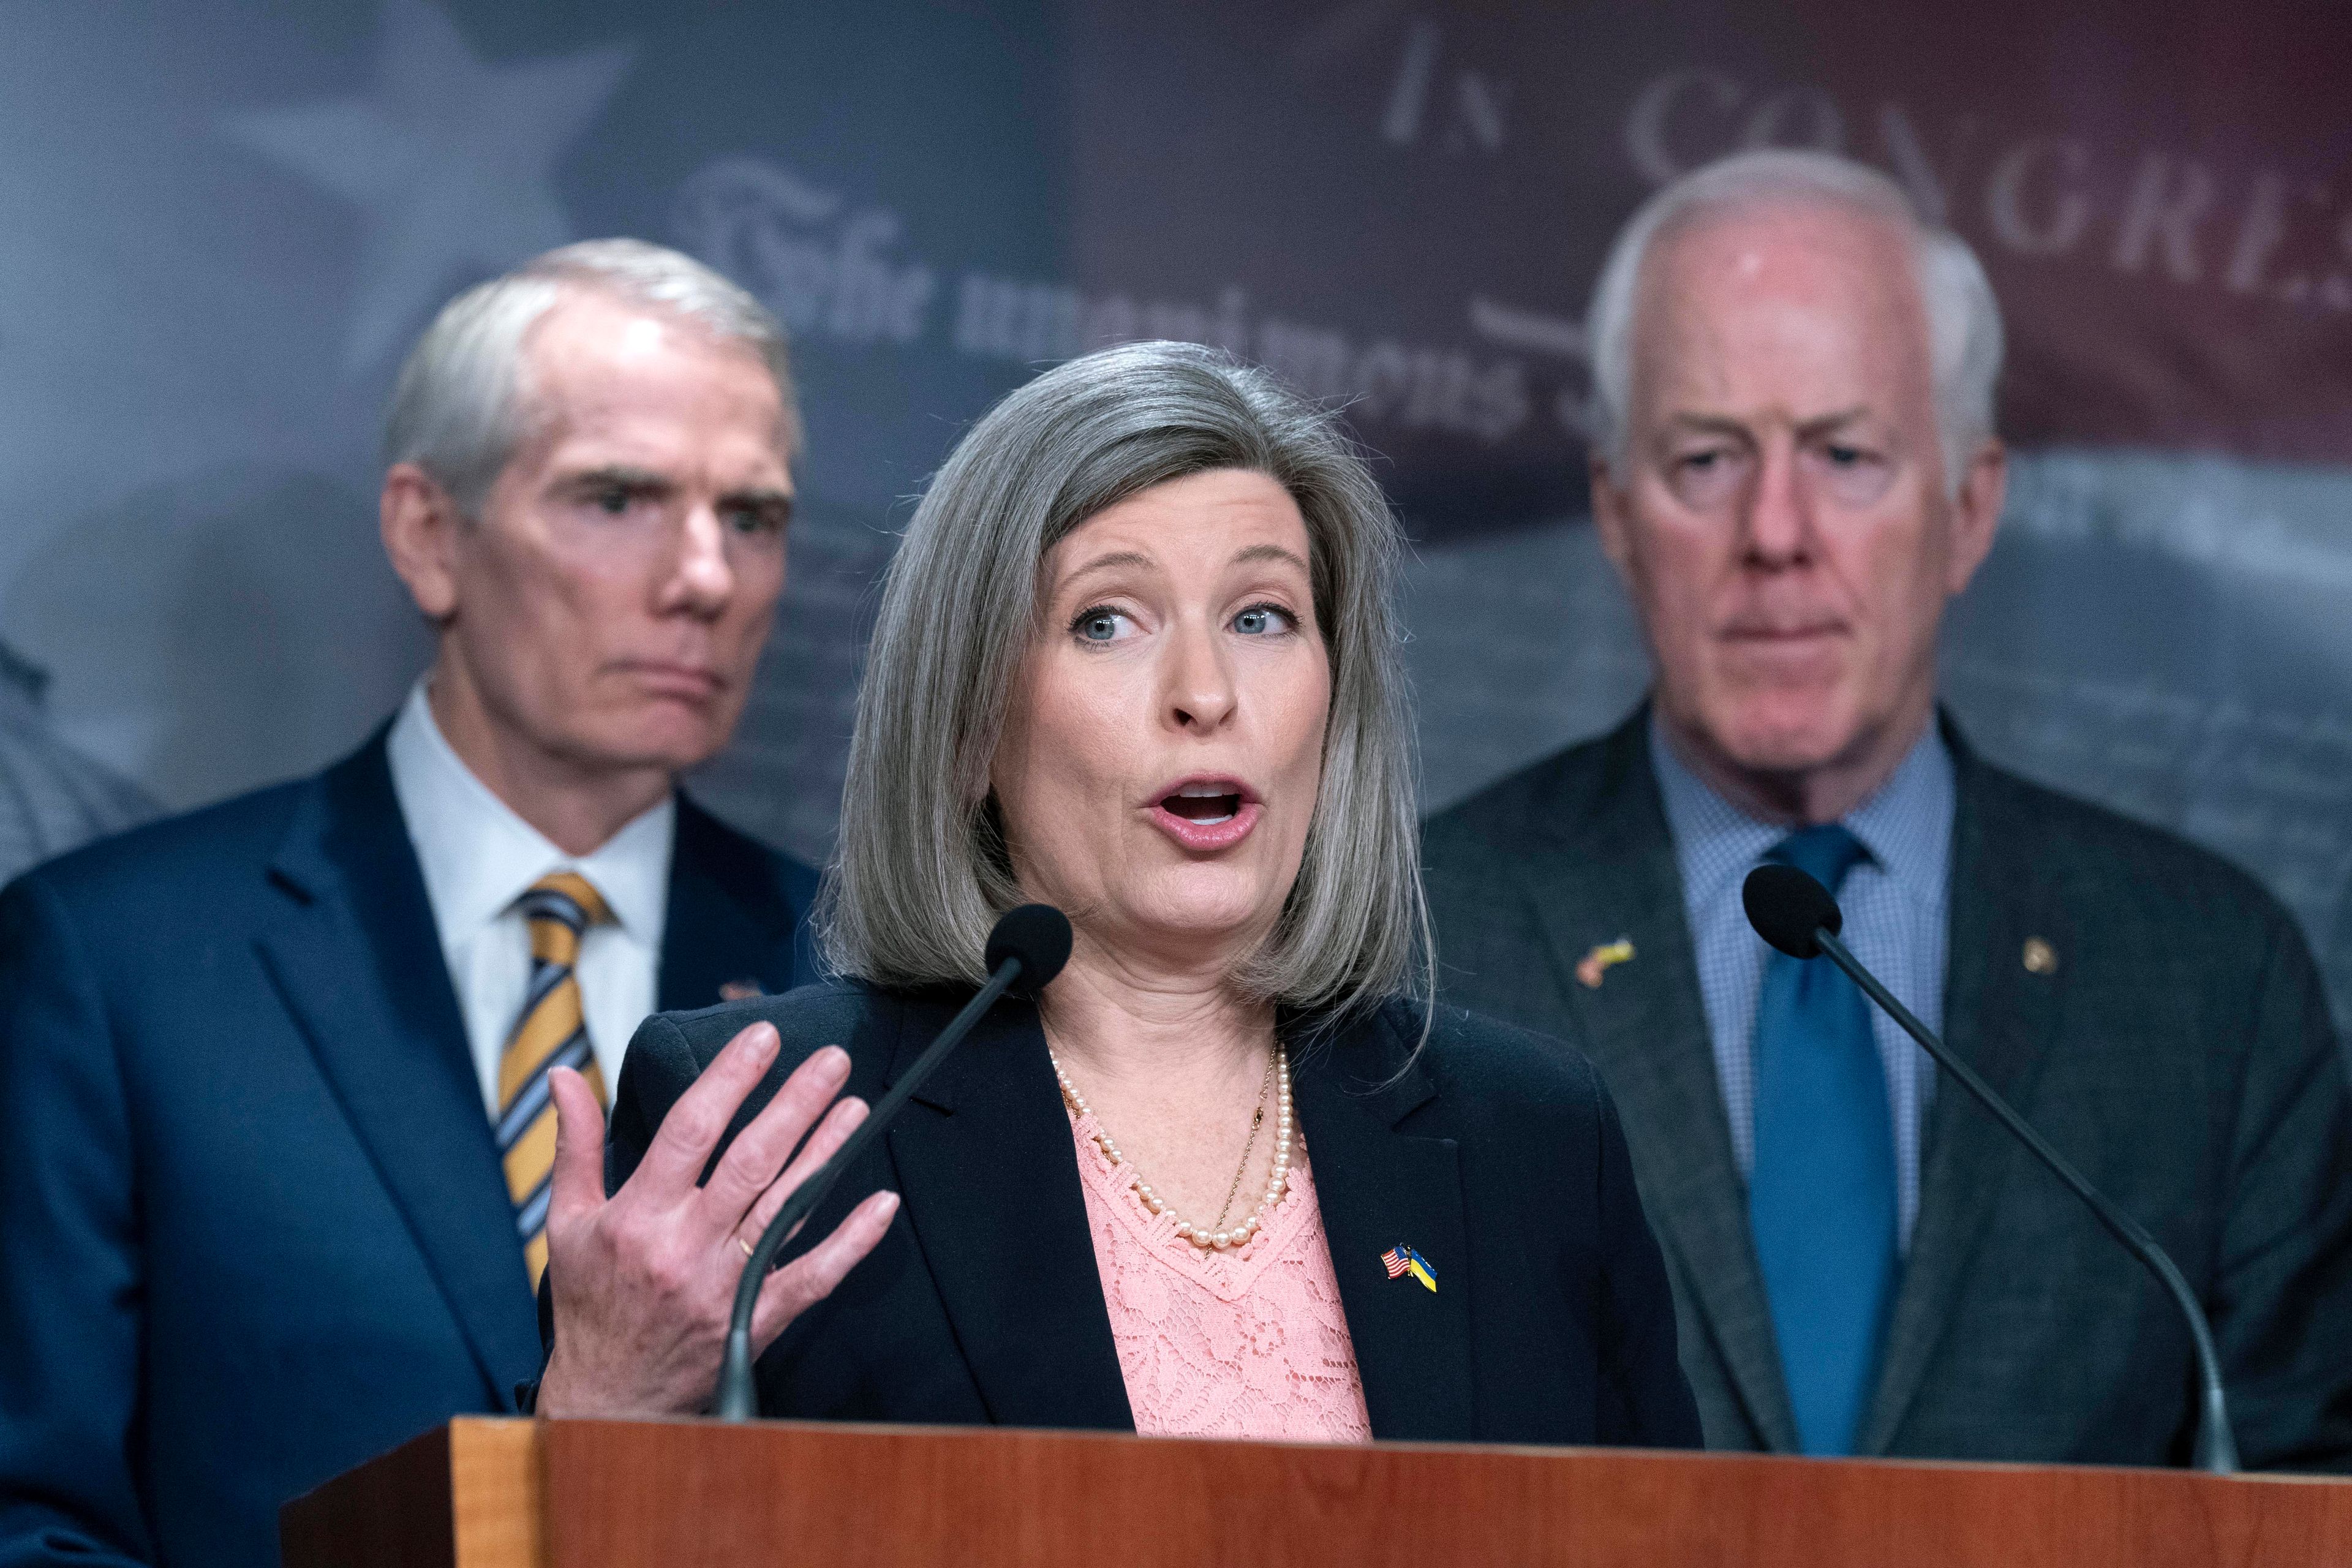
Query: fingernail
(765, 1041)
(835, 1061)
(889, 1207)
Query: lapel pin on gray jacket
(1594, 965)
(739, 990)
(1796, 914)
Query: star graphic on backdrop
(452, 157)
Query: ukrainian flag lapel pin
(1594, 965)
(1401, 1260)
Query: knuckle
(699, 1122)
(752, 1157)
(624, 1226)
(668, 1275)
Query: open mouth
(1207, 804)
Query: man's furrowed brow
(1692, 421)
(1827, 423)
(765, 496)
(618, 476)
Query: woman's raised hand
(645, 1279)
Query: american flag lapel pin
(1401, 1260)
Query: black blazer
(2178, 1050)
(1494, 1154)
(252, 1224)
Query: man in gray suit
(1795, 471)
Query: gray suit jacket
(2178, 1051)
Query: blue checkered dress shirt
(1898, 921)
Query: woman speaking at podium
(1226, 1177)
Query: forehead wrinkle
(1739, 316)
(1823, 258)
(1110, 559)
(1270, 553)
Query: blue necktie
(1820, 1201)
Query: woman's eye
(611, 501)
(1099, 626)
(1259, 620)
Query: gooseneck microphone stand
(1796, 914)
(1025, 951)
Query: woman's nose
(1199, 680)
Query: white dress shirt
(479, 857)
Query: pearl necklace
(1276, 1185)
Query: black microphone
(1796, 914)
(1025, 951)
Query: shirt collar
(1905, 822)
(478, 857)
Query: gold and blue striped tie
(550, 1032)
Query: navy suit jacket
(252, 1224)
(1493, 1152)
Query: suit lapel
(988, 1175)
(1379, 1188)
(728, 922)
(1646, 1027)
(359, 965)
(2002, 1020)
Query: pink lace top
(1246, 1343)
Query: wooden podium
(567, 1494)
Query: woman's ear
(988, 834)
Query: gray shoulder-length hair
(921, 871)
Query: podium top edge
(707, 1424)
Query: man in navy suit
(275, 1072)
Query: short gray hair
(921, 872)
(462, 406)
(1964, 330)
